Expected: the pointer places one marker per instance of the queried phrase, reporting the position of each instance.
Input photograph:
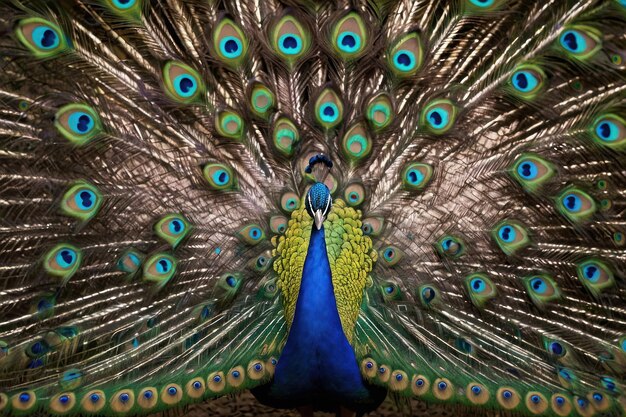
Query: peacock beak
(318, 216)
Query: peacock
(326, 204)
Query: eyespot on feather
(182, 83)
(78, 123)
(41, 37)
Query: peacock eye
(576, 204)
(130, 261)
(595, 275)
(262, 100)
(439, 116)
(416, 176)
(541, 289)
(450, 246)
(182, 83)
(229, 42)
(531, 171)
(390, 255)
(285, 135)
(372, 226)
(159, 268)
(429, 295)
(527, 81)
(63, 261)
(354, 194)
(379, 111)
(581, 42)
(390, 291)
(356, 143)
(328, 109)
(78, 123)
(218, 176)
(290, 202)
(251, 234)
(81, 201)
(349, 36)
(480, 289)
(510, 236)
(172, 228)
(278, 224)
(229, 124)
(123, 4)
(42, 37)
(406, 55)
(610, 130)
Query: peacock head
(318, 203)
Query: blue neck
(317, 358)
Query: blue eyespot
(64, 399)
(428, 294)
(573, 41)
(528, 170)
(609, 383)
(329, 112)
(538, 285)
(597, 397)
(163, 266)
(476, 390)
(437, 118)
(197, 385)
(172, 391)
(565, 374)
(507, 394)
(24, 397)
(419, 382)
(231, 281)
(85, 199)
(482, 3)
(66, 258)
(236, 374)
(255, 233)
(176, 227)
(124, 397)
(124, 4)
(399, 377)
(442, 386)
(404, 60)
(45, 37)
(389, 254)
(349, 42)
(274, 361)
(582, 402)
(607, 130)
(389, 289)
(369, 365)
(94, 398)
(217, 379)
(559, 401)
(557, 348)
(591, 272)
(290, 44)
(524, 81)
(572, 203)
(507, 233)
(414, 176)
(382, 370)
(185, 85)
(221, 177)
(148, 394)
(478, 285)
(258, 367)
(81, 123)
(231, 47)
(535, 399)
